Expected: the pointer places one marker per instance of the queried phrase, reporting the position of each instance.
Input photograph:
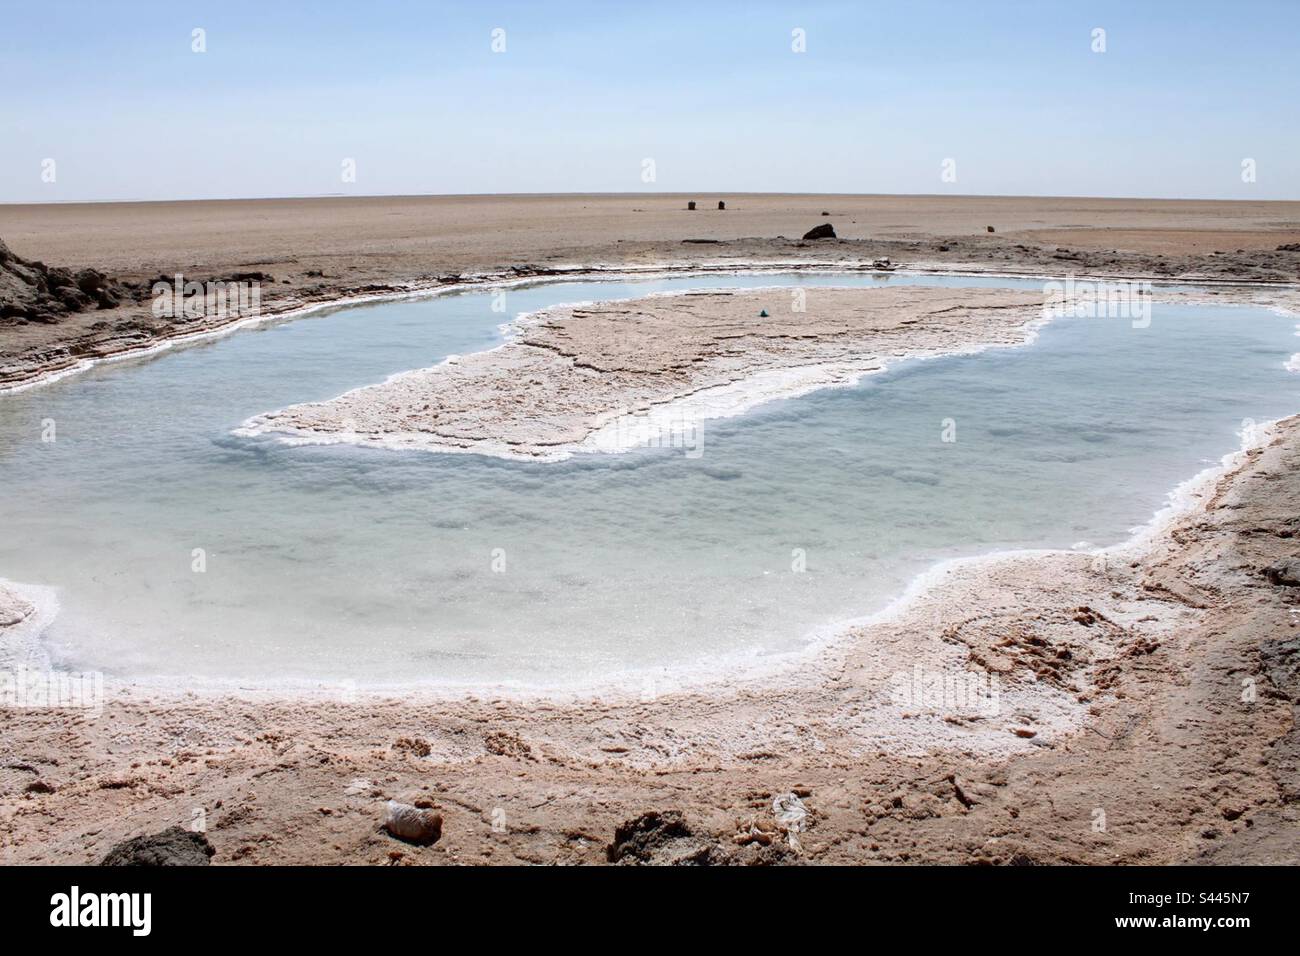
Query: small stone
(413, 824)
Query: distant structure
(691, 205)
(721, 204)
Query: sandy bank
(315, 251)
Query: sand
(1130, 706)
(317, 251)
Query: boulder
(823, 231)
(172, 847)
(418, 825)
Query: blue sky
(710, 91)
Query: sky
(111, 100)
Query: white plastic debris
(791, 815)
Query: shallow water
(335, 563)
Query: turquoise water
(337, 563)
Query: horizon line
(605, 193)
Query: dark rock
(990, 229)
(1285, 247)
(662, 839)
(171, 847)
(59, 278)
(1285, 572)
(721, 204)
(73, 298)
(31, 290)
(91, 281)
(823, 231)
(691, 205)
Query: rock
(721, 204)
(1285, 572)
(412, 824)
(1285, 247)
(823, 231)
(662, 839)
(990, 229)
(691, 205)
(35, 292)
(73, 298)
(172, 847)
(39, 786)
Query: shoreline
(717, 677)
(1153, 692)
(758, 386)
(601, 272)
(740, 667)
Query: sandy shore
(1149, 690)
(1136, 705)
(610, 376)
(308, 252)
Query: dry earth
(311, 251)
